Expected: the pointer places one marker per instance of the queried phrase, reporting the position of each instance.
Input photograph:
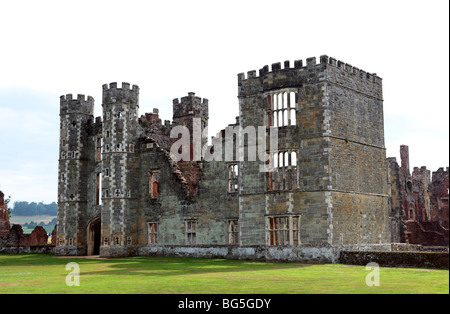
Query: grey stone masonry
(324, 185)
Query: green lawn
(47, 274)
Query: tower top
(190, 105)
(113, 94)
(79, 105)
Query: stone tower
(120, 165)
(192, 112)
(75, 117)
(328, 186)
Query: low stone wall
(384, 255)
(272, 253)
(33, 249)
(419, 259)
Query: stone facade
(121, 190)
(419, 209)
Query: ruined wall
(396, 213)
(14, 241)
(4, 219)
(17, 242)
(324, 185)
(421, 200)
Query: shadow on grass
(146, 266)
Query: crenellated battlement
(311, 63)
(190, 105)
(68, 104)
(113, 94)
(125, 86)
(191, 98)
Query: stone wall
(418, 207)
(17, 242)
(439, 260)
(331, 166)
(4, 219)
(286, 254)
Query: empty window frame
(233, 178)
(98, 188)
(283, 230)
(283, 176)
(233, 231)
(281, 109)
(99, 149)
(190, 226)
(154, 184)
(153, 228)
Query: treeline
(34, 209)
(47, 226)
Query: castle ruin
(301, 175)
(121, 192)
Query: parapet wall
(80, 105)
(112, 93)
(327, 69)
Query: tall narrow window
(233, 178)
(98, 188)
(152, 233)
(284, 174)
(191, 231)
(233, 231)
(154, 184)
(292, 109)
(281, 109)
(99, 149)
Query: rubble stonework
(4, 219)
(122, 192)
(419, 203)
(13, 240)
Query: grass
(164, 275)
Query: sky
(169, 48)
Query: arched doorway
(94, 235)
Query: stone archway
(94, 236)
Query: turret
(119, 187)
(186, 112)
(76, 116)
